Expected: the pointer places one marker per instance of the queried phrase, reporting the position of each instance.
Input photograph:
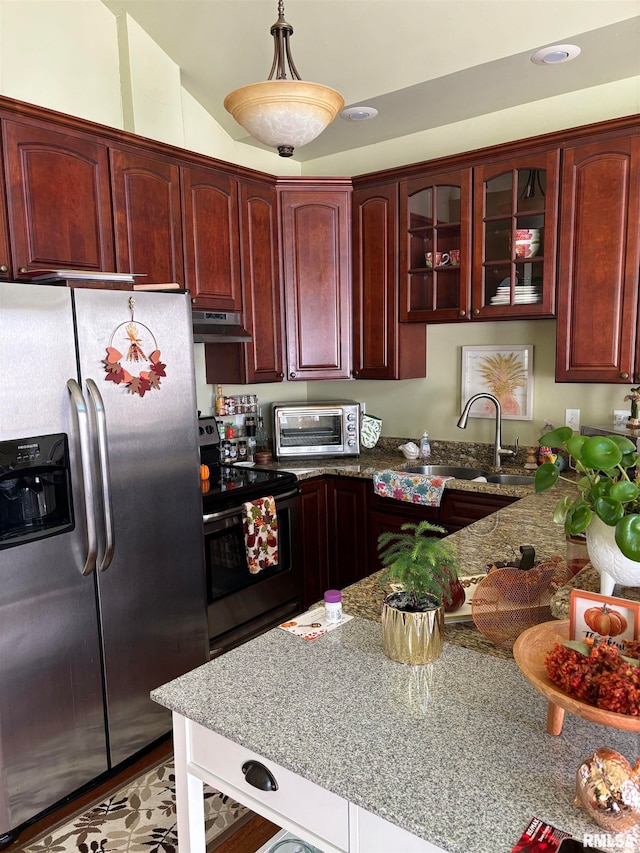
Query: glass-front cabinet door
(435, 260)
(515, 237)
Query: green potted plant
(426, 567)
(606, 505)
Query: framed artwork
(504, 371)
(592, 616)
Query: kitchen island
(374, 756)
(369, 755)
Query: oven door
(309, 431)
(242, 605)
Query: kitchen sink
(459, 472)
(510, 479)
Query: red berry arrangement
(604, 678)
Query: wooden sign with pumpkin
(593, 617)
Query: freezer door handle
(103, 457)
(85, 457)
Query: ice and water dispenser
(35, 489)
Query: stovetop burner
(230, 485)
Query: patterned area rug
(140, 818)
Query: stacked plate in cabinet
(523, 294)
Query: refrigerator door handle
(103, 456)
(85, 456)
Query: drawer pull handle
(257, 775)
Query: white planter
(608, 559)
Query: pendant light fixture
(282, 113)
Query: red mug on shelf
(454, 255)
(527, 242)
(441, 259)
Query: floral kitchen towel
(415, 488)
(260, 522)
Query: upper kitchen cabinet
(212, 240)
(316, 241)
(58, 198)
(261, 283)
(383, 348)
(5, 260)
(435, 240)
(599, 261)
(148, 222)
(515, 226)
(262, 358)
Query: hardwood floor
(247, 839)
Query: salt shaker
(333, 606)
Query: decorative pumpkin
(204, 472)
(604, 621)
(609, 789)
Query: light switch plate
(620, 417)
(572, 419)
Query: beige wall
(76, 57)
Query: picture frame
(622, 624)
(504, 371)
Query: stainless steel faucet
(498, 450)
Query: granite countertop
(528, 521)
(386, 455)
(456, 753)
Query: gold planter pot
(411, 638)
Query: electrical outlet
(620, 417)
(572, 419)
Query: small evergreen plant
(423, 563)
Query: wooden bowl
(530, 651)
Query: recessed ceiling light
(555, 54)
(358, 113)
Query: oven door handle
(229, 513)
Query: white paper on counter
(301, 625)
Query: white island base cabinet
(311, 813)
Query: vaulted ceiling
(420, 63)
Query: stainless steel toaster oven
(321, 428)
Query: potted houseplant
(606, 505)
(427, 568)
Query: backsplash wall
(434, 403)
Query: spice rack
(238, 420)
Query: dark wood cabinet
(341, 519)
(5, 257)
(385, 515)
(383, 348)
(58, 199)
(148, 220)
(459, 509)
(313, 539)
(333, 518)
(316, 240)
(347, 526)
(599, 261)
(211, 239)
(452, 237)
(261, 283)
(435, 221)
(519, 196)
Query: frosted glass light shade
(284, 113)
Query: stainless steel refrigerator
(102, 589)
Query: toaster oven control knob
(351, 442)
(351, 417)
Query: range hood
(215, 327)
